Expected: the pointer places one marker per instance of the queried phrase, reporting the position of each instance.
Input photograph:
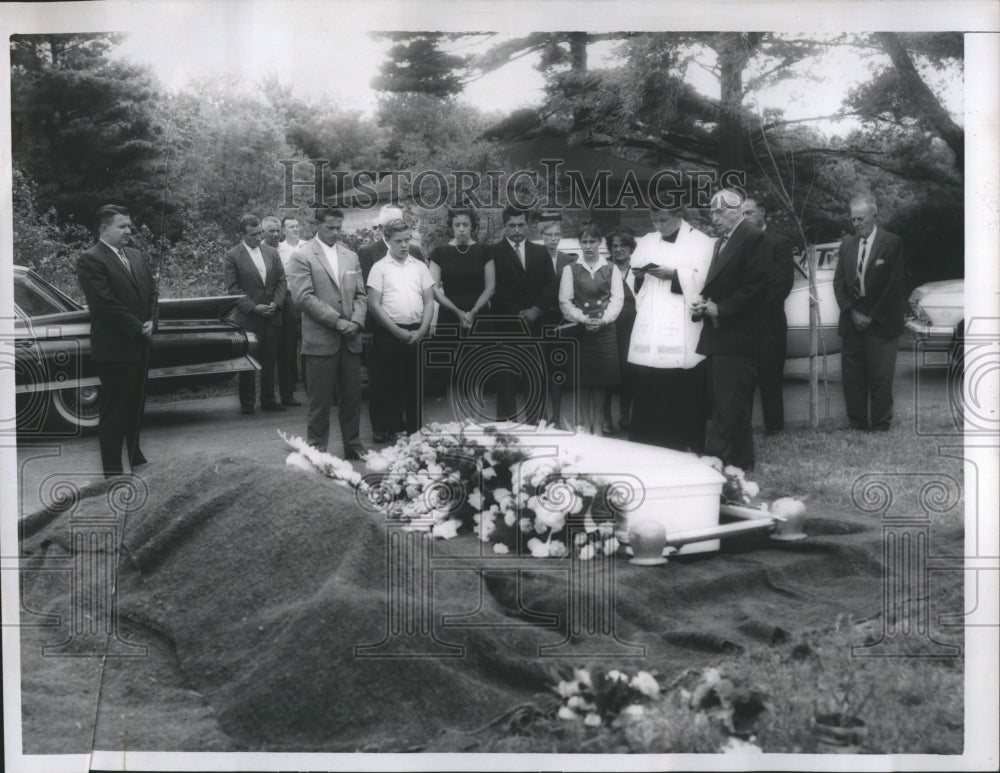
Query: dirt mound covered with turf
(306, 624)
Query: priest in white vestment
(669, 267)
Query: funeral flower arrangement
(737, 490)
(596, 696)
(462, 477)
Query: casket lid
(609, 457)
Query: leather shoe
(247, 410)
(271, 407)
(354, 454)
(291, 402)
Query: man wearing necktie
(120, 295)
(326, 284)
(254, 271)
(525, 287)
(868, 284)
(734, 305)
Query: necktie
(715, 255)
(520, 253)
(125, 262)
(859, 279)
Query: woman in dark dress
(621, 243)
(591, 294)
(463, 272)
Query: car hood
(942, 287)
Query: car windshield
(35, 299)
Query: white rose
(592, 720)
(587, 552)
(476, 499)
(557, 549)
(646, 683)
(500, 549)
(633, 712)
(565, 712)
(446, 530)
(582, 675)
(538, 548)
(489, 473)
(296, 459)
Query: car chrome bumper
(924, 331)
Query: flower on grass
(447, 529)
(645, 683)
(538, 548)
(633, 712)
(565, 712)
(592, 720)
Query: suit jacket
(737, 281)
(521, 288)
(119, 302)
(242, 278)
(324, 299)
(553, 316)
(884, 271)
(372, 253)
(782, 275)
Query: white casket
(671, 487)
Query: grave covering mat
(277, 618)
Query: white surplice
(664, 335)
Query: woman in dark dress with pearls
(463, 272)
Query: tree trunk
(733, 50)
(924, 98)
(813, 338)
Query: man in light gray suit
(328, 289)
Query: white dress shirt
(332, 261)
(518, 248)
(286, 250)
(258, 260)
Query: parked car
(797, 303)
(939, 314)
(56, 383)
(572, 246)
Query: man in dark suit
(120, 295)
(771, 362)
(550, 229)
(254, 271)
(733, 305)
(868, 283)
(326, 284)
(288, 339)
(368, 256)
(525, 289)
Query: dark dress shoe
(291, 402)
(379, 437)
(271, 407)
(354, 454)
(247, 410)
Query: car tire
(956, 354)
(75, 408)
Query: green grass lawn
(910, 704)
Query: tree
(899, 93)
(416, 64)
(83, 126)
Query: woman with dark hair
(621, 244)
(464, 279)
(591, 294)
